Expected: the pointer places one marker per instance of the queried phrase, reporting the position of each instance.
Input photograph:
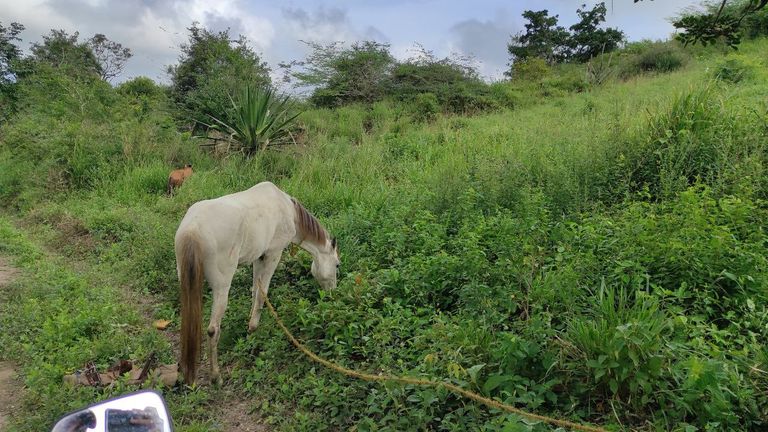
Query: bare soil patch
(10, 387)
(241, 415)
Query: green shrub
(755, 24)
(530, 69)
(734, 69)
(506, 95)
(569, 79)
(260, 118)
(455, 85)
(619, 346)
(657, 57)
(140, 86)
(426, 107)
(683, 145)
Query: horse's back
(242, 225)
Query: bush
(506, 95)
(455, 84)
(570, 79)
(684, 145)
(530, 69)
(619, 346)
(658, 57)
(140, 86)
(734, 69)
(426, 107)
(755, 24)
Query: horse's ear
(333, 242)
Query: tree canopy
(211, 68)
(110, 55)
(10, 54)
(723, 21)
(587, 39)
(65, 52)
(366, 72)
(543, 38)
(339, 75)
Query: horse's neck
(313, 248)
(310, 235)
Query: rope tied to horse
(423, 382)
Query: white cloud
(154, 29)
(325, 25)
(486, 41)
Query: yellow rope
(423, 382)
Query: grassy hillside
(598, 256)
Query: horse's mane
(308, 225)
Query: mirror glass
(138, 412)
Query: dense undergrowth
(597, 254)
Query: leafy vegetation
(723, 21)
(545, 40)
(654, 57)
(211, 70)
(590, 251)
(340, 76)
(262, 118)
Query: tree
(10, 54)
(62, 51)
(587, 39)
(338, 75)
(718, 23)
(211, 68)
(111, 56)
(543, 38)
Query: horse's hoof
(216, 380)
(252, 324)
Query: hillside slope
(599, 256)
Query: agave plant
(260, 117)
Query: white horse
(252, 226)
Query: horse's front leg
(263, 269)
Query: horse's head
(326, 264)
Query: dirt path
(9, 385)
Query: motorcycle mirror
(143, 411)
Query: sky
(155, 29)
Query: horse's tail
(191, 278)
(170, 184)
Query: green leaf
(614, 385)
(474, 370)
(495, 381)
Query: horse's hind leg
(220, 284)
(263, 269)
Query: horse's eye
(337, 265)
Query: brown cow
(177, 177)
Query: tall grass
(472, 249)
